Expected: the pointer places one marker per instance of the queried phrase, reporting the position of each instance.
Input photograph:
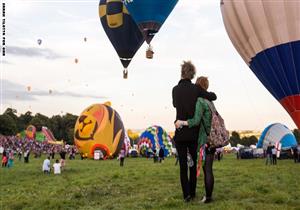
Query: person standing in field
(269, 154)
(161, 154)
(26, 156)
(4, 159)
(122, 157)
(274, 157)
(46, 165)
(10, 159)
(203, 117)
(57, 167)
(63, 158)
(185, 96)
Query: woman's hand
(180, 123)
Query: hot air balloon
(150, 15)
(267, 36)
(121, 30)
(39, 41)
(155, 137)
(277, 134)
(85, 39)
(99, 128)
(28, 88)
(76, 60)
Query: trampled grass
(141, 184)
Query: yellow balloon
(99, 127)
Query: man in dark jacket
(185, 96)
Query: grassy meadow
(141, 184)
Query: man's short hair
(188, 70)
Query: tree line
(62, 127)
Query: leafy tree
(234, 138)
(12, 113)
(39, 121)
(70, 139)
(7, 125)
(56, 126)
(297, 135)
(24, 121)
(247, 141)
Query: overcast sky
(194, 31)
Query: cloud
(33, 52)
(13, 91)
(5, 62)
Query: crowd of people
(11, 146)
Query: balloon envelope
(267, 36)
(155, 137)
(121, 30)
(277, 133)
(99, 127)
(149, 15)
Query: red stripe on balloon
(292, 106)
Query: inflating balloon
(99, 127)
(150, 15)
(154, 138)
(121, 30)
(266, 34)
(277, 134)
(30, 132)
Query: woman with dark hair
(203, 117)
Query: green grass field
(141, 184)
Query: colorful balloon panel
(121, 29)
(267, 36)
(155, 137)
(277, 133)
(150, 15)
(99, 127)
(30, 132)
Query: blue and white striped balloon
(267, 36)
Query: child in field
(10, 159)
(4, 159)
(46, 165)
(57, 167)
(122, 156)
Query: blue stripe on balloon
(278, 68)
(262, 137)
(288, 141)
(150, 10)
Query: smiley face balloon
(99, 127)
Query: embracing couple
(193, 121)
